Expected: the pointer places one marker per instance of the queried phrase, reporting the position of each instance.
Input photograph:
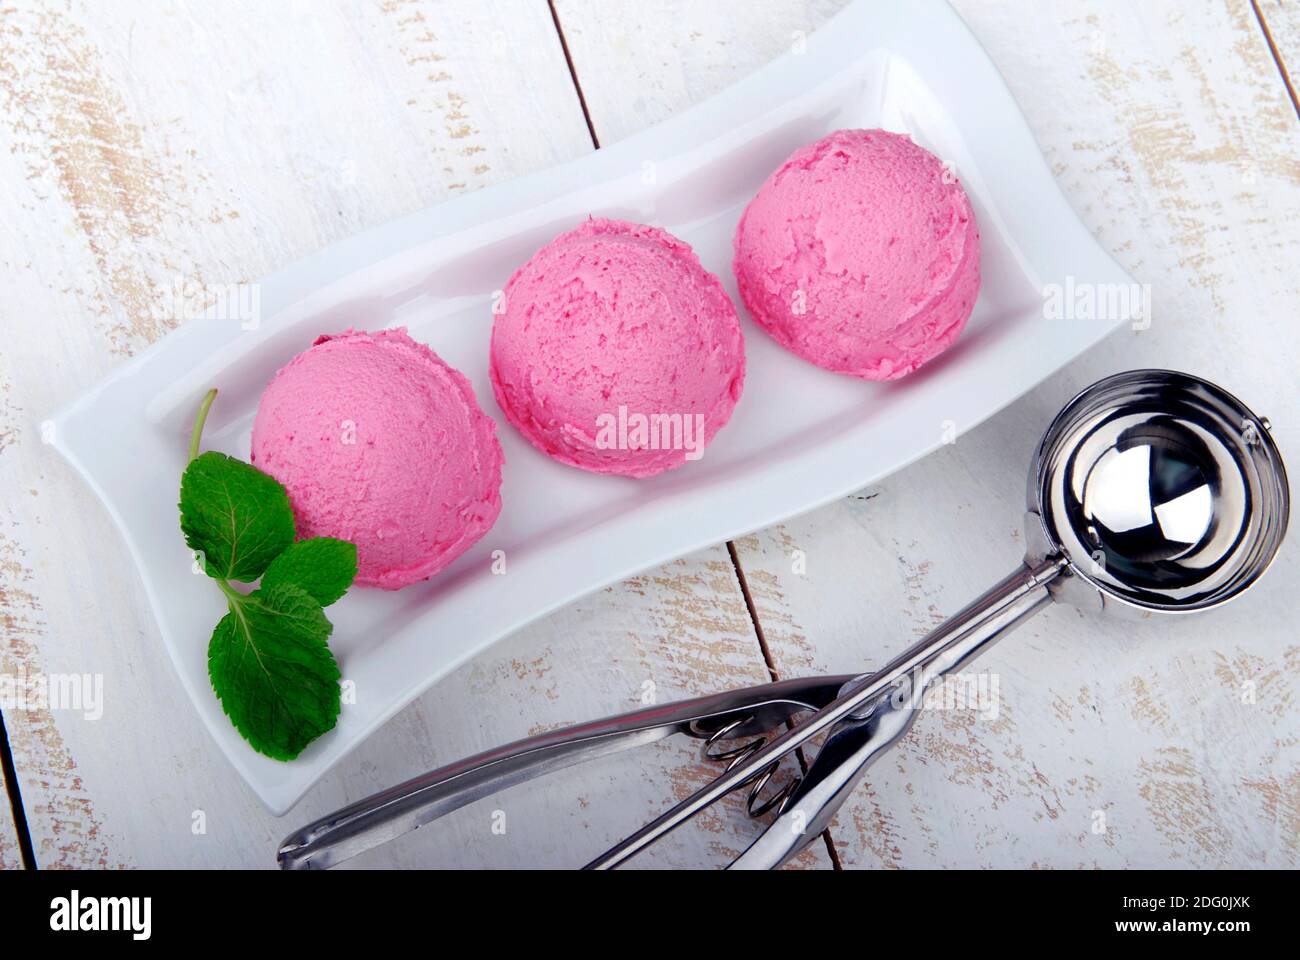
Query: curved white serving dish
(799, 438)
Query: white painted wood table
(219, 140)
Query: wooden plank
(212, 143)
(1116, 745)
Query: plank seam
(753, 611)
(16, 799)
(773, 673)
(573, 75)
(1277, 57)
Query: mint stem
(233, 596)
(199, 419)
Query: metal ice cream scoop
(1152, 491)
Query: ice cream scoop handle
(855, 743)
(963, 635)
(401, 809)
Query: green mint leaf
(271, 667)
(237, 517)
(322, 566)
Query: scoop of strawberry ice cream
(860, 254)
(616, 351)
(381, 443)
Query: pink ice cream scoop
(860, 254)
(381, 443)
(616, 351)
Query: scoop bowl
(1161, 490)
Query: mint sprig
(268, 659)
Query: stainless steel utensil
(1152, 491)
(744, 713)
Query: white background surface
(220, 141)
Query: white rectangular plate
(799, 438)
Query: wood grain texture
(209, 144)
(1170, 131)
